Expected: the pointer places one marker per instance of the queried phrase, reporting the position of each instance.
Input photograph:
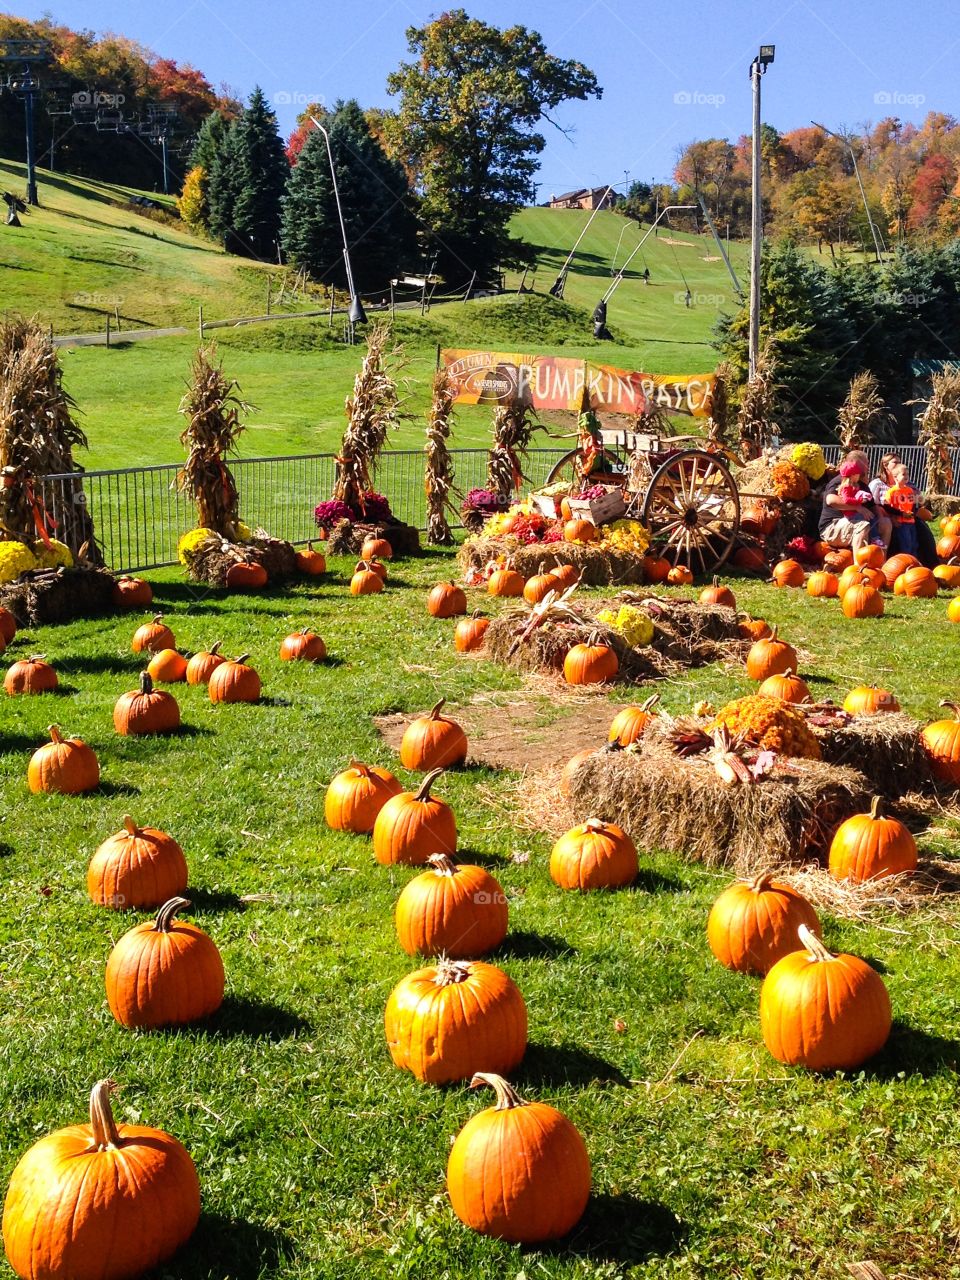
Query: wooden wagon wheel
(692, 510)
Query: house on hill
(585, 198)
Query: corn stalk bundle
(38, 434)
(863, 418)
(719, 422)
(372, 410)
(439, 473)
(513, 428)
(940, 430)
(212, 407)
(758, 398)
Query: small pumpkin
(753, 629)
(594, 855)
(470, 633)
(868, 700)
(896, 565)
(950, 526)
(540, 585)
(356, 795)
(750, 559)
(590, 663)
(518, 1171)
(822, 1011)
(164, 972)
(167, 667)
(754, 923)
(132, 593)
(312, 563)
(838, 559)
(8, 626)
(146, 710)
(770, 657)
(948, 546)
(376, 549)
(680, 576)
(302, 646)
(203, 664)
(656, 568)
(365, 581)
(823, 584)
(138, 867)
(630, 722)
(566, 574)
(788, 687)
(234, 681)
(869, 556)
(941, 744)
(455, 910)
(919, 581)
(446, 600)
(64, 765)
(246, 575)
(571, 768)
(851, 577)
(869, 846)
(412, 825)
(378, 566)
(953, 610)
(444, 1021)
(948, 575)
(788, 573)
(505, 582)
(30, 675)
(580, 531)
(433, 741)
(718, 594)
(153, 636)
(861, 601)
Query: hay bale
(213, 559)
(346, 537)
(59, 595)
(884, 748)
(597, 566)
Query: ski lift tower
(19, 63)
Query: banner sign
(558, 382)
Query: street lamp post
(757, 69)
(356, 314)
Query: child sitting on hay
(902, 498)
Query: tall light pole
(842, 137)
(356, 314)
(757, 70)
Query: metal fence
(914, 455)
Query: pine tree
(194, 200)
(223, 187)
(262, 173)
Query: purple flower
(484, 501)
(328, 513)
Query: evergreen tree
(262, 173)
(223, 187)
(194, 201)
(209, 142)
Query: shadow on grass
(274, 701)
(651, 881)
(215, 899)
(234, 1247)
(566, 1064)
(115, 789)
(521, 944)
(6, 850)
(118, 664)
(622, 1228)
(240, 1018)
(17, 742)
(910, 1051)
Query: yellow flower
(244, 532)
(635, 626)
(608, 617)
(15, 558)
(809, 459)
(52, 557)
(190, 542)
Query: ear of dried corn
(940, 430)
(439, 471)
(372, 410)
(863, 418)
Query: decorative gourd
(770, 657)
(753, 629)
(451, 910)
(769, 724)
(153, 636)
(376, 549)
(164, 972)
(303, 646)
(356, 795)
(446, 600)
(788, 687)
(146, 710)
(862, 602)
(869, 846)
(312, 563)
(540, 585)
(433, 741)
(590, 663)
(412, 825)
(469, 633)
(941, 744)
(132, 593)
(571, 768)
(138, 867)
(868, 700)
(566, 575)
(246, 575)
(718, 594)
(505, 582)
(203, 664)
(919, 581)
(680, 576)
(99, 1201)
(365, 581)
(823, 583)
(168, 667)
(629, 723)
(30, 675)
(869, 556)
(234, 681)
(948, 575)
(518, 1171)
(754, 923)
(656, 568)
(64, 765)
(822, 1011)
(595, 855)
(443, 1021)
(896, 565)
(953, 610)
(8, 626)
(580, 531)
(788, 573)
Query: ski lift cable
(611, 288)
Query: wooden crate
(599, 510)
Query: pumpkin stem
(105, 1131)
(761, 881)
(450, 971)
(649, 703)
(243, 657)
(34, 657)
(814, 946)
(55, 734)
(423, 794)
(435, 711)
(362, 769)
(593, 824)
(954, 707)
(167, 914)
(129, 825)
(716, 581)
(876, 808)
(507, 1096)
(146, 682)
(215, 647)
(442, 864)
(158, 618)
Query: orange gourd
(433, 741)
(505, 582)
(540, 585)
(153, 636)
(303, 646)
(754, 628)
(234, 681)
(132, 593)
(412, 825)
(919, 581)
(566, 575)
(868, 700)
(470, 633)
(770, 657)
(365, 581)
(823, 584)
(30, 675)
(376, 549)
(168, 667)
(138, 867)
(786, 686)
(948, 546)
(750, 559)
(580, 531)
(446, 600)
(896, 565)
(838, 560)
(655, 568)
(869, 846)
(680, 576)
(862, 601)
(941, 744)
(948, 575)
(717, 594)
(595, 855)
(203, 664)
(64, 765)
(869, 556)
(356, 795)
(246, 575)
(146, 710)
(454, 910)
(788, 573)
(312, 563)
(8, 626)
(754, 923)
(629, 723)
(950, 526)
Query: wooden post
(108, 330)
(466, 296)
(268, 294)
(116, 312)
(201, 321)
(333, 294)
(393, 309)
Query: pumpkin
(948, 546)
(446, 600)
(717, 594)
(950, 526)
(234, 681)
(540, 585)
(469, 633)
(750, 559)
(953, 610)
(365, 581)
(412, 825)
(8, 626)
(838, 560)
(822, 1011)
(132, 593)
(505, 582)
(99, 1201)
(455, 910)
(851, 577)
(770, 657)
(203, 664)
(680, 576)
(138, 867)
(356, 795)
(758, 519)
(376, 549)
(948, 575)
(629, 723)
(869, 846)
(566, 574)
(823, 583)
(754, 923)
(787, 686)
(571, 768)
(862, 601)
(868, 700)
(590, 663)
(246, 575)
(788, 573)
(518, 1171)
(146, 710)
(378, 567)
(918, 581)
(896, 565)
(30, 675)
(168, 667)
(873, 577)
(941, 744)
(594, 855)
(433, 741)
(164, 972)
(65, 765)
(580, 531)
(656, 568)
(153, 636)
(312, 563)
(754, 628)
(303, 646)
(444, 1021)
(869, 556)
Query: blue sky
(669, 72)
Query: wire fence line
(139, 514)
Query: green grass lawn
(317, 1158)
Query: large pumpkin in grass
(754, 923)
(153, 636)
(168, 667)
(412, 825)
(941, 745)
(302, 646)
(455, 910)
(312, 563)
(823, 584)
(365, 581)
(680, 576)
(146, 710)
(446, 600)
(590, 663)
(822, 1011)
(566, 574)
(953, 610)
(518, 1171)
(470, 633)
(246, 575)
(356, 795)
(869, 700)
(753, 629)
(948, 575)
(234, 681)
(869, 846)
(132, 593)
(948, 546)
(30, 675)
(838, 559)
(63, 765)
(433, 741)
(99, 1201)
(594, 855)
(950, 526)
(540, 585)
(655, 567)
(788, 573)
(718, 594)
(376, 549)
(918, 581)
(8, 626)
(770, 657)
(505, 582)
(896, 565)
(862, 601)
(869, 556)
(203, 664)
(629, 723)
(138, 867)
(444, 1022)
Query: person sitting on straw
(849, 517)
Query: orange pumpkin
(896, 565)
(950, 526)
(754, 923)
(30, 675)
(758, 519)
(868, 700)
(505, 582)
(303, 646)
(717, 594)
(948, 546)
(203, 664)
(629, 723)
(750, 559)
(8, 626)
(365, 581)
(167, 667)
(580, 531)
(919, 581)
(376, 549)
(312, 563)
(591, 663)
(132, 593)
(246, 575)
(823, 584)
(595, 855)
(378, 567)
(540, 585)
(153, 636)
(433, 741)
(234, 681)
(941, 744)
(948, 575)
(770, 657)
(754, 628)
(138, 867)
(788, 573)
(680, 576)
(837, 560)
(454, 910)
(412, 825)
(146, 710)
(356, 795)
(566, 574)
(869, 846)
(869, 556)
(64, 765)
(862, 601)
(788, 687)
(851, 577)
(469, 633)
(446, 600)
(655, 568)
(953, 610)
(571, 768)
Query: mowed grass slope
(317, 1158)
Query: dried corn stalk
(212, 407)
(718, 424)
(372, 409)
(758, 398)
(513, 428)
(440, 474)
(863, 418)
(940, 430)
